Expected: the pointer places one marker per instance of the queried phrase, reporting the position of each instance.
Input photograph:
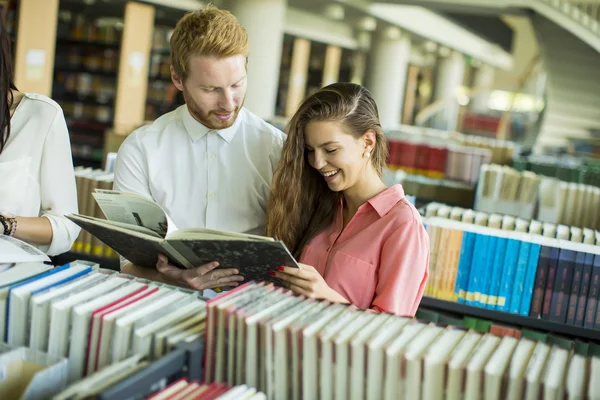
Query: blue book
(496, 274)
(534, 258)
(481, 245)
(563, 280)
(486, 271)
(519, 281)
(508, 274)
(464, 266)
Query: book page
(133, 209)
(15, 251)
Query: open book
(138, 229)
(16, 251)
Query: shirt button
(212, 194)
(212, 156)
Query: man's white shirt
(203, 178)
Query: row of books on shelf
(511, 267)
(501, 151)
(283, 345)
(525, 194)
(296, 348)
(568, 169)
(437, 161)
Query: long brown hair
(6, 84)
(301, 204)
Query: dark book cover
(575, 288)
(253, 258)
(550, 280)
(594, 293)
(562, 286)
(584, 289)
(540, 282)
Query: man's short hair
(207, 32)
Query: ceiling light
(368, 24)
(430, 46)
(334, 11)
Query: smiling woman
(359, 241)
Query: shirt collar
(386, 200)
(197, 131)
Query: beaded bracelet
(13, 226)
(5, 224)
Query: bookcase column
(449, 79)
(264, 21)
(36, 40)
(386, 75)
(484, 79)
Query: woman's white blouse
(36, 170)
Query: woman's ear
(369, 138)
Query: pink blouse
(380, 260)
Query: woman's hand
(307, 281)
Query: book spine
(575, 288)
(532, 265)
(552, 269)
(486, 270)
(584, 289)
(496, 274)
(592, 302)
(481, 243)
(508, 274)
(464, 266)
(518, 287)
(540, 282)
(562, 286)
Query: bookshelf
(162, 95)
(511, 319)
(316, 66)
(85, 74)
(284, 74)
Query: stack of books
(293, 347)
(566, 168)
(87, 181)
(517, 266)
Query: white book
(240, 392)
(278, 379)
(457, 364)
(108, 325)
(576, 377)
(436, 359)
(142, 337)
(394, 384)
(342, 359)
(534, 371)
(310, 353)
(96, 325)
(252, 347)
(40, 307)
(326, 367)
(593, 389)
(518, 368)
(19, 273)
(357, 351)
(160, 339)
(60, 314)
(555, 374)
(19, 317)
(124, 325)
(80, 322)
(497, 366)
(13, 250)
(486, 347)
(376, 357)
(414, 356)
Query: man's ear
(369, 138)
(176, 79)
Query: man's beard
(209, 119)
